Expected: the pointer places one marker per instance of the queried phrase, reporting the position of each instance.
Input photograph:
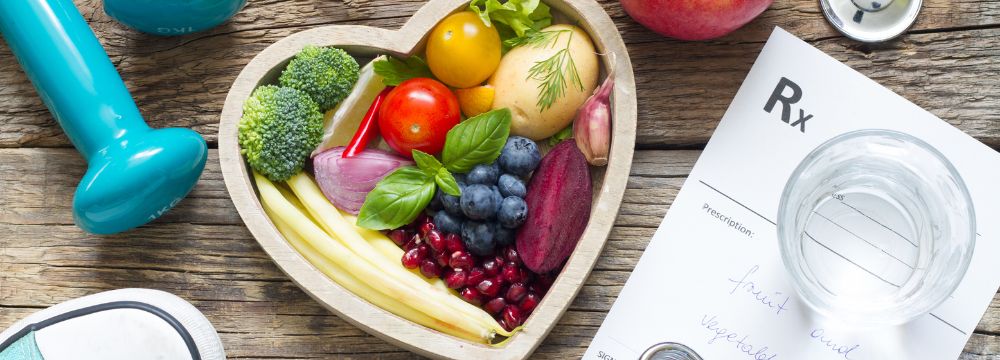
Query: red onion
(347, 181)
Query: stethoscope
(871, 21)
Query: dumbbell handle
(71, 72)
(134, 173)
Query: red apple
(694, 19)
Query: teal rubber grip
(135, 173)
(172, 17)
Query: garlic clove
(592, 126)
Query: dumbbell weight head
(138, 180)
(172, 17)
(134, 173)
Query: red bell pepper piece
(368, 128)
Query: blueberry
(520, 156)
(513, 212)
(478, 237)
(511, 185)
(436, 200)
(503, 236)
(497, 196)
(448, 223)
(485, 174)
(478, 202)
(451, 204)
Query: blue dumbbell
(172, 17)
(135, 173)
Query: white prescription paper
(686, 287)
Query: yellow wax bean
(361, 289)
(427, 302)
(329, 218)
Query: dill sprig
(536, 39)
(552, 72)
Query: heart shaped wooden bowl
(363, 41)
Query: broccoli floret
(326, 74)
(279, 128)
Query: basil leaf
(447, 182)
(397, 199)
(563, 134)
(394, 71)
(475, 141)
(426, 162)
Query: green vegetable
(397, 199)
(429, 164)
(326, 74)
(447, 182)
(561, 135)
(515, 18)
(400, 197)
(395, 71)
(426, 162)
(477, 140)
(279, 128)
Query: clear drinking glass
(875, 227)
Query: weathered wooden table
(949, 63)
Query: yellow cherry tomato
(462, 51)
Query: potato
(519, 92)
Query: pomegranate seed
(461, 260)
(414, 242)
(492, 267)
(471, 296)
(495, 306)
(504, 324)
(510, 254)
(527, 277)
(512, 273)
(489, 287)
(425, 250)
(455, 279)
(536, 288)
(411, 258)
(443, 258)
(475, 276)
(430, 268)
(398, 236)
(435, 240)
(542, 283)
(512, 315)
(529, 303)
(426, 228)
(516, 292)
(454, 243)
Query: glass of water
(875, 227)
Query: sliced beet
(559, 200)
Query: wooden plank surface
(201, 251)
(683, 87)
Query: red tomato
(417, 114)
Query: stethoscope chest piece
(871, 21)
